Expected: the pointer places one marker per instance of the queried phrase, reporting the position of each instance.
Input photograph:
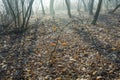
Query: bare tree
(97, 12)
(78, 6)
(106, 4)
(85, 6)
(19, 14)
(68, 7)
(5, 6)
(91, 4)
(43, 10)
(52, 11)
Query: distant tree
(43, 10)
(106, 4)
(97, 12)
(78, 6)
(85, 6)
(5, 14)
(52, 11)
(5, 6)
(91, 4)
(27, 4)
(68, 7)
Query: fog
(74, 7)
(59, 39)
(58, 5)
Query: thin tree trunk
(116, 8)
(91, 4)
(52, 12)
(18, 13)
(41, 1)
(97, 12)
(78, 6)
(68, 7)
(85, 7)
(12, 12)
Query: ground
(63, 49)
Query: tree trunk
(42, 7)
(78, 6)
(97, 12)
(52, 12)
(68, 8)
(91, 4)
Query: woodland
(59, 39)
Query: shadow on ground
(103, 49)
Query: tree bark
(97, 12)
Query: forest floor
(63, 49)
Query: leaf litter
(54, 50)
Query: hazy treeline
(18, 12)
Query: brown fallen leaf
(64, 44)
(52, 44)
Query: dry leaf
(64, 44)
(53, 44)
